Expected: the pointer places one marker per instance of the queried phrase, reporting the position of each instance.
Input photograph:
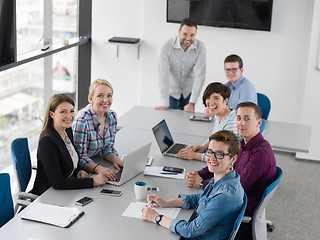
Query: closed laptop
(124, 40)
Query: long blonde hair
(53, 103)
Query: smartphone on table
(84, 201)
(172, 169)
(201, 118)
(110, 192)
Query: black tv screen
(246, 14)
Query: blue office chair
(263, 125)
(22, 162)
(239, 218)
(258, 220)
(265, 105)
(6, 206)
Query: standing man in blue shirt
(181, 69)
(242, 90)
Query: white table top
(178, 121)
(288, 137)
(281, 136)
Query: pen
(171, 173)
(148, 204)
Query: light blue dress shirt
(242, 91)
(217, 212)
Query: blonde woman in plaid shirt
(94, 130)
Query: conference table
(282, 136)
(102, 218)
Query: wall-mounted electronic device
(245, 14)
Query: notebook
(165, 141)
(124, 40)
(134, 164)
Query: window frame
(83, 42)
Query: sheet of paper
(134, 210)
(157, 171)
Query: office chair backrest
(239, 218)
(259, 227)
(263, 125)
(265, 105)
(6, 204)
(22, 162)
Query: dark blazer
(55, 164)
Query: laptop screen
(163, 136)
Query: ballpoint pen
(169, 173)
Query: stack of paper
(50, 214)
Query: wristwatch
(158, 219)
(201, 184)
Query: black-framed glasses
(233, 70)
(217, 155)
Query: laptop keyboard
(118, 174)
(176, 148)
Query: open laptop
(165, 141)
(134, 164)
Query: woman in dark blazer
(57, 157)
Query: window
(64, 72)
(21, 105)
(25, 87)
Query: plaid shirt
(88, 138)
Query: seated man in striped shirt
(215, 97)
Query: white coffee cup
(140, 189)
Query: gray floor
(295, 207)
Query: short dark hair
(189, 22)
(229, 138)
(256, 108)
(216, 87)
(234, 58)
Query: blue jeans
(178, 104)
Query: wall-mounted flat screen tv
(246, 14)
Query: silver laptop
(165, 141)
(134, 164)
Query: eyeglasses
(233, 70)
(217, 155)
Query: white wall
(117, 18)
(310, 110)
(279, 63)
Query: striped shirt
(228, 123)
(88, 138)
